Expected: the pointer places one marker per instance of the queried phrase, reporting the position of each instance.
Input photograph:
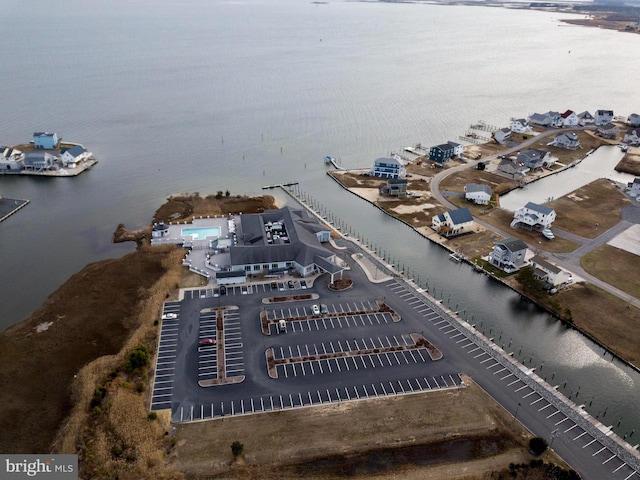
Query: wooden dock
(9, 206)
(279, 185)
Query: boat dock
(334, 162)
(279, 185)
(9, 206)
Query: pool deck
(9, 206)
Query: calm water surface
(216, 95)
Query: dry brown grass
(630, 163)
(457, 182)
(615, 266)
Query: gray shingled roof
(538, 208)
(477, 187)
(460, 215)
(513, 244)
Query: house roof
(387, 161)
(570, 137)
(542, 262)
(460, 215)
(397, 181)
(567, 114)
(477, 187)
(445, 147)
(43, 134)
(513, 244)
(608, 126)
(520, 120)
(584, 115)
(76, 151)
(454, 144)
(538, 208)
(510, 166)
(608, 113)
(532, 155)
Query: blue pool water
(200, 233)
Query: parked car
(282, 325)
(315, 309)
(169, 316)
(207, 341)
(324, 309)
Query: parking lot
(229, 344)
(231, 290)
(166, 358)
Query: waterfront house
(11, 160)
(633, 120)
(541, 119)
(38, 161)
(388, 168)
(520, 125)
(477, 193)
(569, 141)
(74, 155)
(452, 223)
(46, 141)
(550, 274)
(501, 136)
(508, 255)
(585, 118)
(634, 188)
(159, 230)
(533, 217)
(608, 131)
(569, 119)
(441, 153)
(603, 117)
(534, 158)
(632, 139)
(395, 187)
(511, 169)
(457, 148)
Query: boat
(547, 233)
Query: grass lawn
(615, 266)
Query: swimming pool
(200, 233)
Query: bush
(537, 445)
(237, 448)
(152, 415)
(138, 358)
(140, 387)
(98, 395)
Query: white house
(603, 117)
(477, 193)
(457, 148)
(533, 216)
(633, 120)
(388, 168)
(569, 141)
(569, 119)
(549, 273)
(74, 155)
(501, 136)
(453, 222)
(508, 255)
(520, 125)
(585, 118)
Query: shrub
(152, 415)
(140, 387)
(537, 445)
(138, 358)
(237, 448)
(98, 395)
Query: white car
(315, 309)
(169, 316)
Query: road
(568, 261)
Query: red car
(207, 341)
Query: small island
(46, 155)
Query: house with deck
(74, 155)
(603, 117)
(45, 140)
(520, 125)
(11, 160)
(549, 273)
(441, 153)
(388, 168)
(478, 193)
(38, 160)
(609, 131)
(534, 158)
(501, 136)
(508, 255)
(454, 222)
(568, 141)
(511, 169)
(395, 187)
(533, 217)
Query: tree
(227, 193)
(237, 448)
(139, 357)
(537, 445)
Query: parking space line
(591, 442)
(599, 451)
(583, 433)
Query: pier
(279, 185)
(9, 206)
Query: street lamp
(515, 416)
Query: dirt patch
(630, 163)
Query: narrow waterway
(581, 369)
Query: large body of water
(213, 95)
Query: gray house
(585, 118)
(395, 187)
(633, 120)
(477, 193)
(534, 158)
(603, 117)
(38, 160)
(501, 136)
(569, 141)
(608, 131)
(508, 255)
(511, 169)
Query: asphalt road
(592, 453)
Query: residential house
(569, 119)
(477, 193)
(441, 153)
(508, 255)
(551, 274)
(534, 158)
(585, 118)
(534, 217)
(634, 188)
(633, 120)
(603, 117)
(549, 119)
(38, 160)
(388, 168)
(520, 125)
(11, 160)
(44, 140)
(74, 155)
(512, 169)
(501, 136)
(569, 141)
(457, 148)
(632, 138)
(395, 187)
(608, 131)
(453, 222)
